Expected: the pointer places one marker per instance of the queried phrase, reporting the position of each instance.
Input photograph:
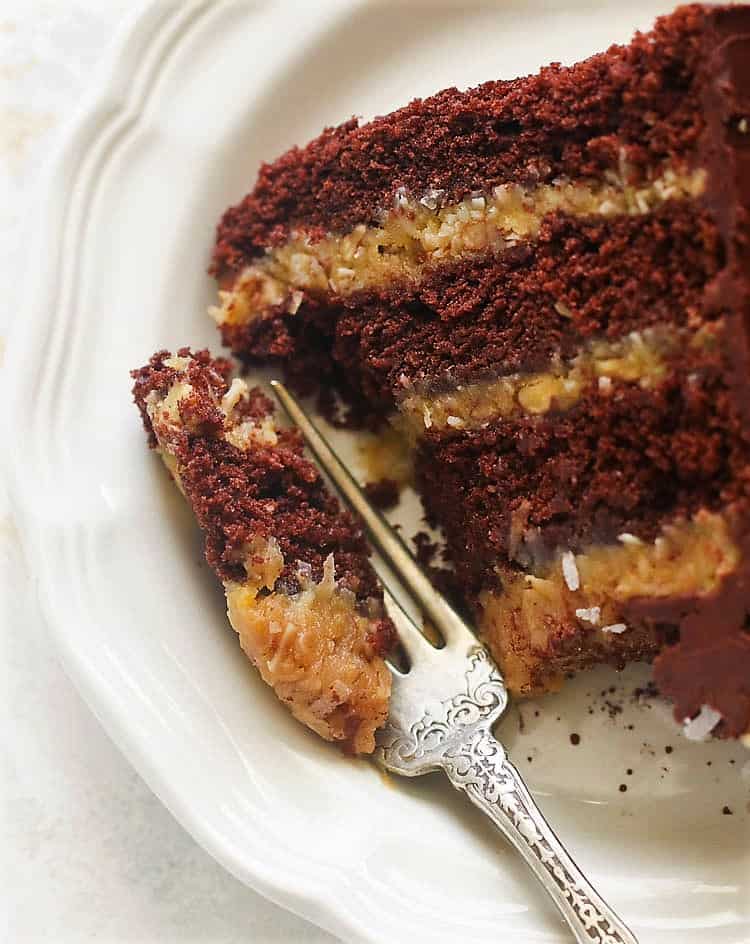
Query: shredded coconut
(699, 727)
(433, 199)
(176, 362)
(627, 538)
(420, 230)
(570, 571)
(232, 397)
(400, 199)
(614, 628)
(591, 614)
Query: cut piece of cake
(300, 590)
(544, 283)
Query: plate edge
(142, 24)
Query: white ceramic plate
(194, 98)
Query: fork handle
(480, 769)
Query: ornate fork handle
(479, 767)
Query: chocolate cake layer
(572, 122)
(300, 590)
(622, 461)
(498, 314)
(413, 239)
(645, 358)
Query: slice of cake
(300, 590)
(544, 283)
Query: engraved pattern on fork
(455, 736)
(483, 701)
(481, 769)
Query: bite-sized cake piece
(300, 590)
(544, 284)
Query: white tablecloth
(88, 852)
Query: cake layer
(416, 236)
(300, 591)
(240, 490)
(642, 100)
(681, 598)
(582, 278)
(603, 604)
(644, 358)
(621, 460)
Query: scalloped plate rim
(308, 900)
(304, 895)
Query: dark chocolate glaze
(710, 664)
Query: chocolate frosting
(711, 662)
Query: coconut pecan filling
(418, 233)
(583, 596)
(641, 357)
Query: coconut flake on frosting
(699, 727)
(570, 571)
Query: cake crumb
(623, 788)
(575, 739)
(612, 708)
(727, 811)
(383, 493)
(647, 691)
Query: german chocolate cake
(545, 285)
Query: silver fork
(443, 709)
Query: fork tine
(415, 643)
(390, 545)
